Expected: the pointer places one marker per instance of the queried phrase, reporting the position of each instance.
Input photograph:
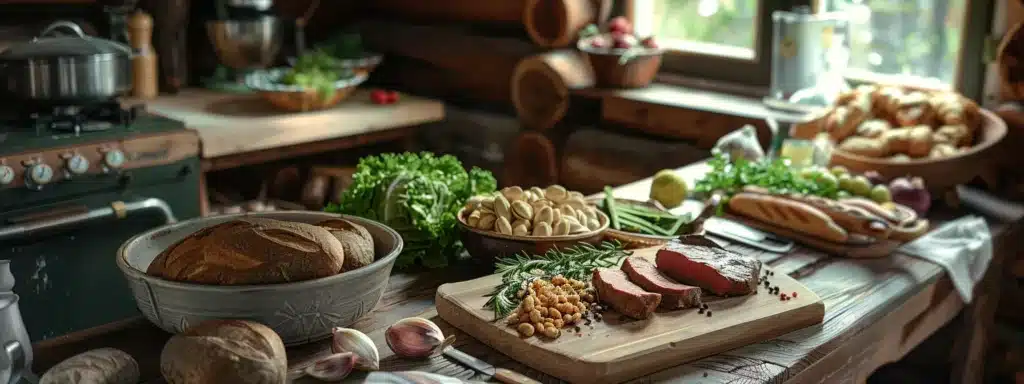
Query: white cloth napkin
(963, 247)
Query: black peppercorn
(705, 374)
(709, 313)
(705, 305)
(700, 310)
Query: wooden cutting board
(619, 349)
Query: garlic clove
(351, 340)
(416, 337)
(334, 367)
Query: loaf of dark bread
(225, 351)
(251, 251)
(355, 239)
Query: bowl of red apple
(620, 58)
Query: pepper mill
(144, 71)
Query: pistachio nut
(575, 228)
(502, 208)
(542, 229)
(522, 210)
(591, 212)
(474, 202)
(593, 224)
(529, 197)
(522, 222)
(575, 194)
(503, 226)
(538, 204)
(575, 203)
(570, 219)
(487, 202)
(474, 218)
(561, 228)
(486, 221)
(556, 215)
(520, 230)
(581, 214)
(556, 193)
(567, 210)
(544, 215)
(582, 219)
(537, 191)
(512, 193)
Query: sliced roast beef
(615, 289)
(642, 272)
(698, 261)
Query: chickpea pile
(550, 305)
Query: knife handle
(509, 377)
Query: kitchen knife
(755, 238)
(501, 374)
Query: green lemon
(827, 180)
(880, 194)
(860, 186)
(668, 188)
(845, 181)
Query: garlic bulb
(334, 367)
(416, 337)
(351, 340)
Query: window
(930, 43)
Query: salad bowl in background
(298, 98)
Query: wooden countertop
(876, 311)
(231, 124)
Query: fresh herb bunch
(576, 262)
(417, 195)
(316, 69)
(775, 175)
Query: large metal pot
(66, 69)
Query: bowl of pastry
(517, 221)
(940, 136)
(298, 272)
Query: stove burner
(78, 119)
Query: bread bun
(251, 251)
(355, 239)
(104, 365)
(225, 351)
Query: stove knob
(76, 164)
(38, 175)
(113, 159)
(6, 174)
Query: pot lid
(79, 44)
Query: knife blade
(755, 238)
(501, 374)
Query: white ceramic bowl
(299, 312)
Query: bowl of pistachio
(517, 221)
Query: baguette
(877, 210)
(787, 213)
(910, 231)
(854, 220)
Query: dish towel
(963, 247)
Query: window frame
(754, 75)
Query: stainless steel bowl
(299, 312)
(246, 44)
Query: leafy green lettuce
(418, 195)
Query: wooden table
(876, 311)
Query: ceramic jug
(6, 277)
(12, 328)
(11, 362)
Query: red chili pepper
(392, 97)
(379, 96)
(794, 294)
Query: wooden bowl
(630, 239)
(940, 175)
(638, 72)
(299, 99)
(486, 246)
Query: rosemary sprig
(576, 262)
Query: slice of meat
(642, 272)
(698, 261)
(615, 289)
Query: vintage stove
(75, 183)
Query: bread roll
(355, 239)
(104, 365)
(251, 251)
(225, 351)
